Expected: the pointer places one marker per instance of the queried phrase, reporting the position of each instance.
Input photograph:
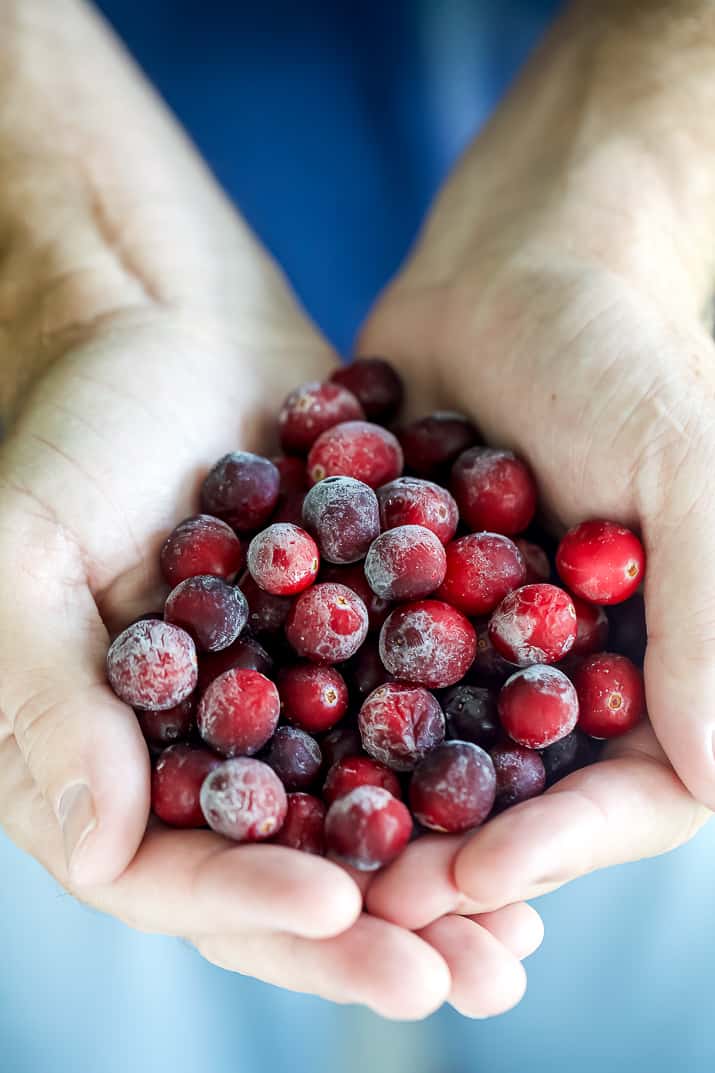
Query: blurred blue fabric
(332, 127)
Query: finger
(518, 927)
(392, 971)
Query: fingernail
(77, 819)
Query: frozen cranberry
(176, 783)
(471, 713)
(412, 501)
(367, 828)
(244, 800)
(568, 754)
(432, 443)
(303, 826)
(366, 671)
(295, 757)
(353, 575)
(238, 713)
(520, 774)
(591, 628)
(537, 706)
(601, 562)
(494, 490)
(209, 609)
(201, 545)
(453, 788)
(283, 559)
(405, 563)
(610, 695)
(267, 613)
(327, 623)
(481, 569)
(534, 624)
(353, 771)
(399, 724)
(343, 516)
(356, 449)
(343, 740)
(314, 698)
(311, 409)
(376, 384)
(171, 725)
(152, 664)
(242, 489)
(428, 642)
(291, 470)
(289, 510)
(627, 629)
(538, 567)
(488, 665)
(246, 653)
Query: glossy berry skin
(494, 490)
(242, 489)
(176, 783)
(213, 612)
(534, 624)
(170, 726)
(471, 714)
(538, 706)
(283, 559)
(311, 409)
(376, 384)
(295, 757)
(343, 740)
(353, 575)
(201, 545)
(343, 515)
(303, 827)
(314, 698)
(481, 569)
(358, 449)
(520, 774)
(327, 623)
(354, 771)
(427, 642)
(238, 713)
(399, 724)
(453, 789)
(601, 562)
(244, 800)
(610, 695)
(538, 567)
(432, 443)
(569, 754)
(366, 671)
(591, 628)
(153, 665)
(413, 501)
(267, 613)
(405, 563)
(367, 828)
(489, 666)
(245, 653)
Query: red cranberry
(293, 478)
(601, 562)
(343, 740)
(354, 771)
(358, 449)
(538, 567)
(471, 713)
(366, 670)
(520, 774)
(537, 706)
(311, 409)
(367, 828)
(314, 698)
(267, 613)
(246, 653)
(242, 489)
(244, 800)
(481, 569)
(568, 754)
(534, 624)
(591, 628)
(176, 784)
(432, 443)
(610, 695)
(376, 384)
(238, 713)
(627, 629)
(283, 559)
(209, 609)
(295, 757)
(494, 490)
(405, 563)
(412, 501)
(399, 724)
(453, 788)
(353, 575)
(201, 545)
(303, 826)
(327, 623)
(153, 665)
(170, 726)
(343, 516)
(488, 665)
(428, 642)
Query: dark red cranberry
(520, 774)
(432, 443)
(354, 771)
(591, 628)
(481, 569)
(627, 633)
(412, 501)
(210, 610)
(366, 671)
(152, 665)
(538, 567)
(537, 706)
(176, 784)
(358, 449)
(311, 409)
(314, 698)
(405, 563)
(293, 478)
(267, 613)
(245, 653)
(454, 787)
(343, 740)
(427, 642)
(471, 714)
(238, 713)
(568, 754)
(376, 384)
(170, 726)
(367, 828)
(494, 490)
(244, 800)
(399, 724)
(327, 623)
(303, 827)
(242, 489)
(610, 695)
(295, 757)
(601, 561)
(534, 624)
(201, 545)
(343, 515)
(488, 665)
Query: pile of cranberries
(364, 637)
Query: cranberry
(494, 490)
(610, 695)
(293, 478)
(453, 788)
(343, 740)
(353, 771)
(295, 757)
(534, 624)
(627, 629)
(538, 567)
(303, 827)
(246, 653)
(311, 409)
(428, 642)
(568, 754)
(591, 628)
(283, 559)
(376, 384)
(244, 800)
(471, 713)
(481, 569)
(353, 575)
(432, 443)
(176, 784)
(153, 665)
(171, 725)
(405, 563)
(367, 828)
(411, 501)
(238, 713)
(201, 545)
(343, 516)
(366, 670)
(537, 706)
(399, 724)
(242, 489)
(356, 449)
(601, 562)
(488, 665)
(290, 509)
(314, 698)
(520, 774)
(267, 612)
(209, 609)
(327, 623)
